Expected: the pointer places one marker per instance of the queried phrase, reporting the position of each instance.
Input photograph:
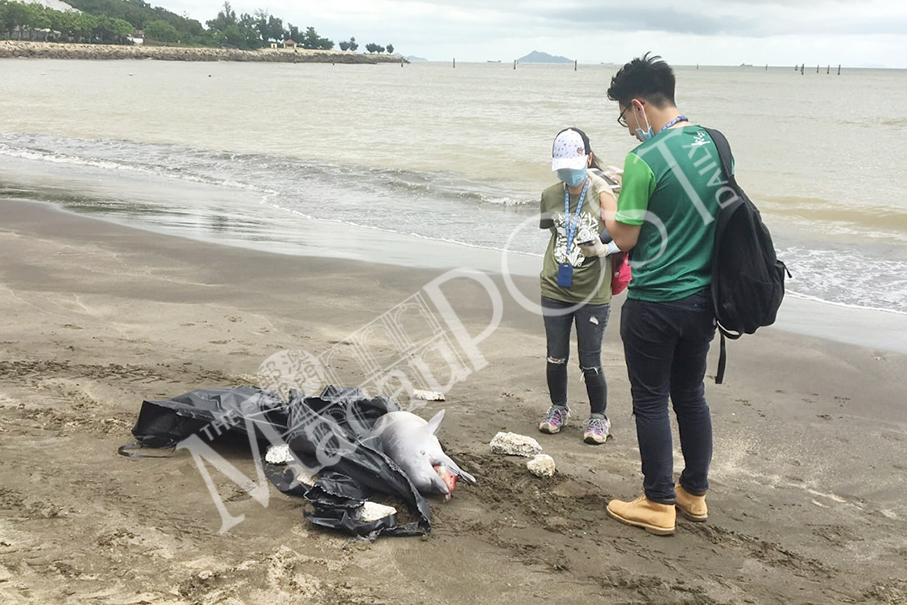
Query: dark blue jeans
(666, 345)
(591, 321)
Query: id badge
(565, 275)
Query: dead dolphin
(411, 443)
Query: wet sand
(808, 472)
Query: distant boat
(490, 61)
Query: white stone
(279, 454)
(512, 444)
(372, 511)
(541, 466)
(305, 476)
(428, 395)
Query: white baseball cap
(570, 150)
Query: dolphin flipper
(435, 423)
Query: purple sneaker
(597, 430)
(555, 418)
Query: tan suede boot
(654, 517)
(690, 506)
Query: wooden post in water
(802, 69)
(828, 71)
(817, 69)
(514, 64)
(455, 63)
(839, 69)
(575, 64)
(766, 67)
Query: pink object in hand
(621, 272)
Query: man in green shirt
(665, 217)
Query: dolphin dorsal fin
(435, 423)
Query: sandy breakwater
(53, 50)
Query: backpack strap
(724, 152)
(722, 360)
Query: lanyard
(676, 120)
(571, 226)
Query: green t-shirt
(591, 276)
(672, 186)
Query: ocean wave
(444, 207)
(283, 176)
(847, 277)
(133, 166)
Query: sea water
(432, 166)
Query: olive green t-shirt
(591, 276)
(672, 186)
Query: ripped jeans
(591, 321)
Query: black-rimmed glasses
(621, 119)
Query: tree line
(37, 22)
(111, 21)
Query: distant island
(411, 58)
(540, 57)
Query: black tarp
(325, 433)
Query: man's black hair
(648, 78)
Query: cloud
(705, 31)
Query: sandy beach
(808, 473)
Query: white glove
(597, 248)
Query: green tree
(292, 33)
(161, 31)
(311, 39)
(224, 19)
(269, 27)
(82, 25)
(16, 17)
(36, 18)
(353, 44)
(116, 30)
(390, 49)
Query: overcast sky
(855, 33)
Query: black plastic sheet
(327, 434)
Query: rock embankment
(53, 50)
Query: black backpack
(747, 277)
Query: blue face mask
(572, 177)
(644, 135)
